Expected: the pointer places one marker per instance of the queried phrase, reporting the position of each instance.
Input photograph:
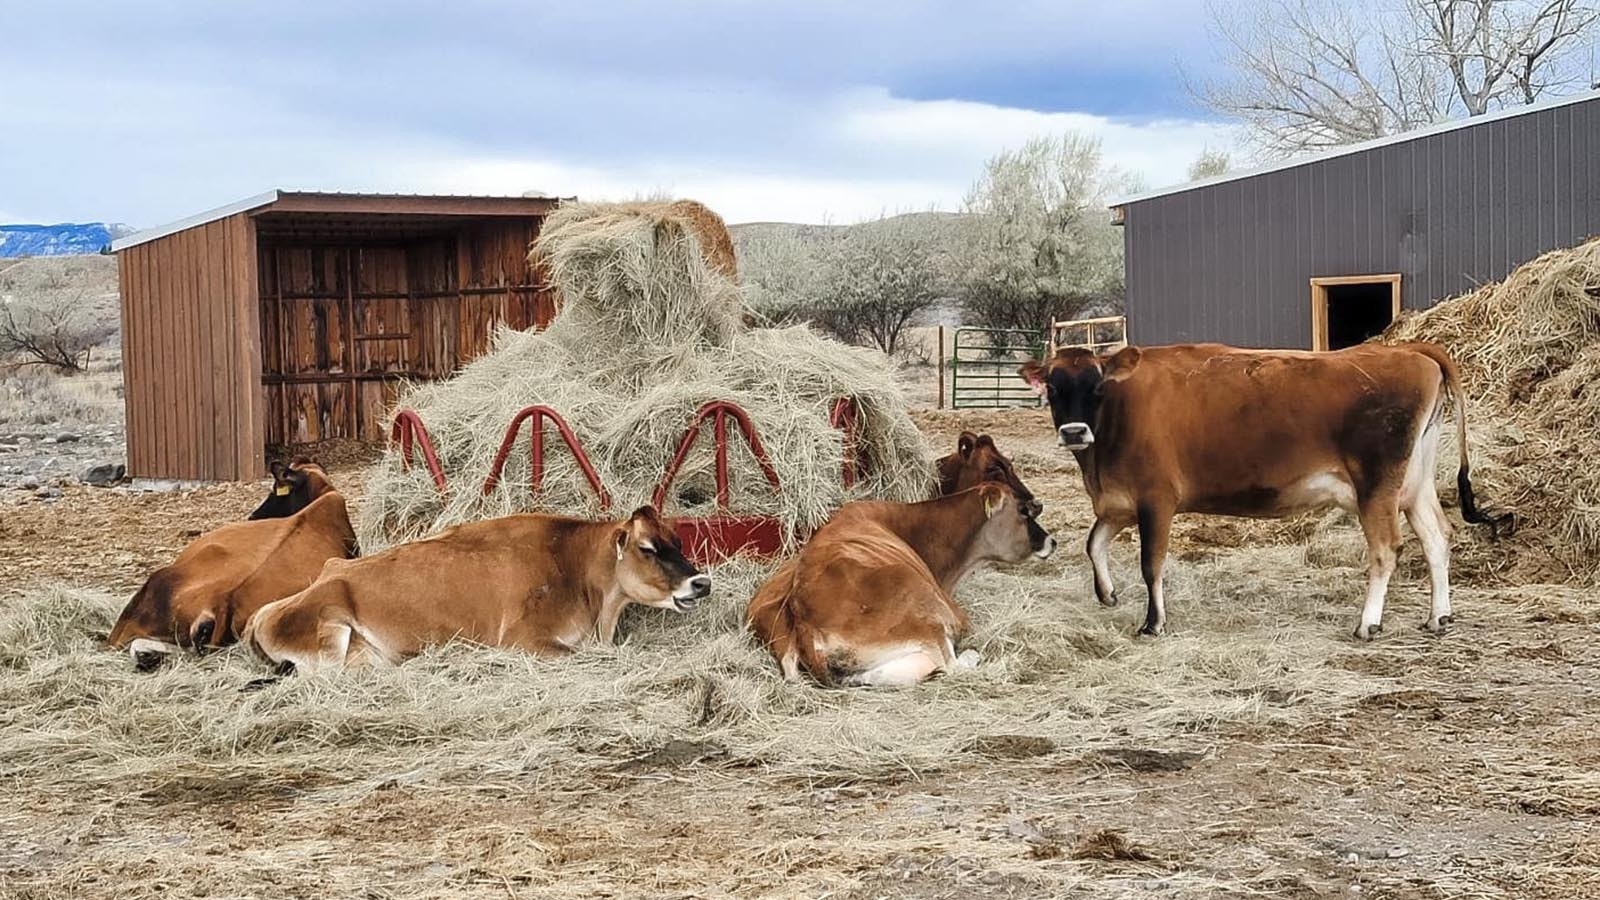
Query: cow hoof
(1368, 632)
(283, 669)
(1151, 631)
(1110, 600)
(256, 684)
(148, 660)
(1439, 625)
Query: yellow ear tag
(282, 490)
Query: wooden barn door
(336, 337)
(343, 325)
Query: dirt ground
(1477, 774)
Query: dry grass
(30, 398)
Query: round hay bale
(648, 332)
(641, 272)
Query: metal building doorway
(1349, 309)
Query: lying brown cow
(203, 599)
(870, 599)
(977, 460)
(1264, 433)
(537, 583)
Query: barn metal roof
(1364, 146)
(341, 201)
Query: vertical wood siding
(185, 356)
(231, 344)
(1232, 262)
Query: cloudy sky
(142, 112)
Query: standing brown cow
(1264, 433)
(202, 600)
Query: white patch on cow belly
(1320, 490)
(900, 666)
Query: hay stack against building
(650, 329)
(1529, 348)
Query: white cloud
(738, 197)
(1159, 150)
(939, 148)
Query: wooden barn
(291, 318)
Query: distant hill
(58, 240)
(758, 230)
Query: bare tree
(58, 329)
(1311, 74)
(1209, 164)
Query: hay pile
(1529, 349)
(650, 329)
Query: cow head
(1074, 381)
(161, 620)
(651, 567)
(977, 460)
(294, 486)
(1009, 532)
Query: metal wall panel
(1232, 261)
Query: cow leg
(1380, 521)
(1104, 531)
(1433, 530)
(1155, 528)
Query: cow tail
(1453, 391)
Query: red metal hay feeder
(706, 540)
(721, 536)
(408, 431)
(536, 452)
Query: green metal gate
(983, 367)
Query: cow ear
(994, 499)
(1121, 364)
(1033, 373)
(278, 470)
(646, 513)
(965, 443)
(985, 441)
(619, 539)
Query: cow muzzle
(1047, 548)
(1075, 435)
(691, 592)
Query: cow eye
(647, 550)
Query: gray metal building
(1323, 251)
